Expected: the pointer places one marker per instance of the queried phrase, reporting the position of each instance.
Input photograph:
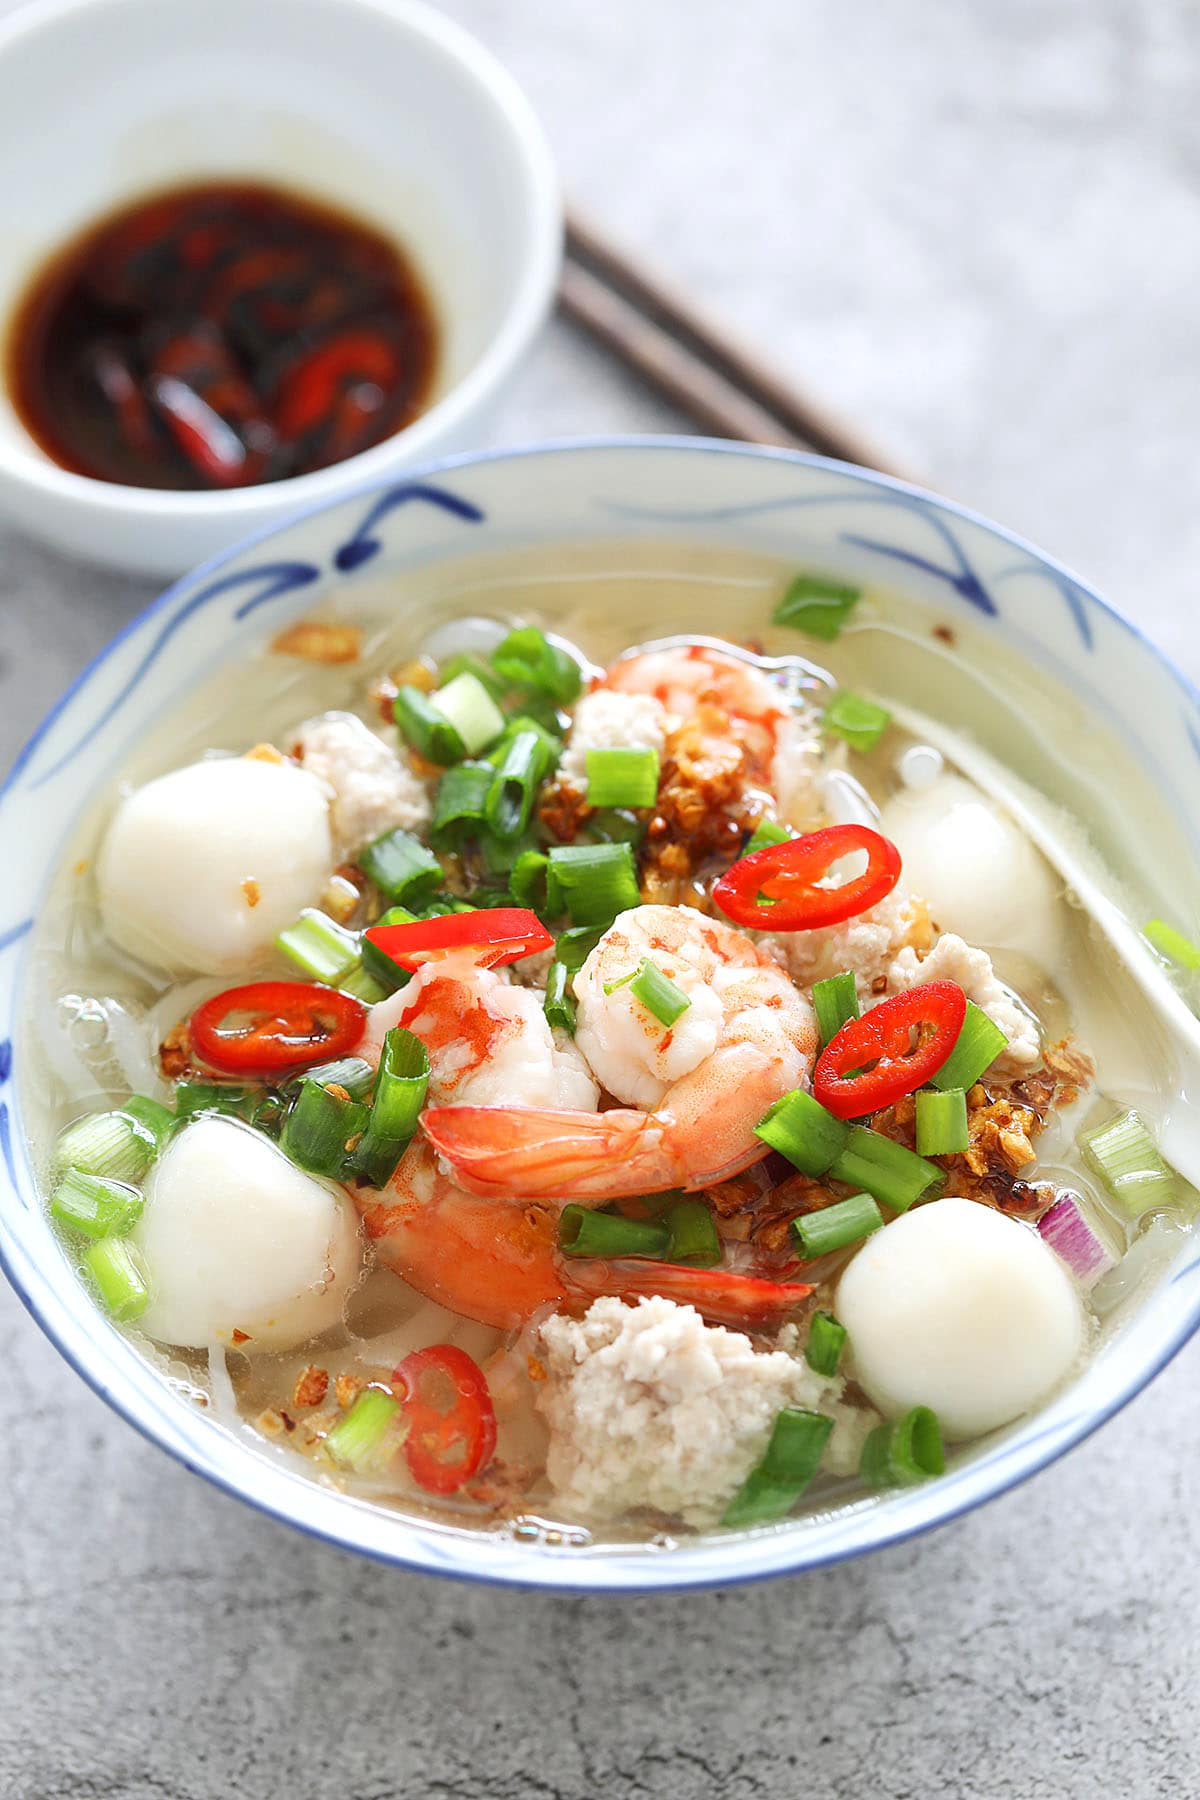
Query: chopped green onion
(363, 985)
(403, 867)
(905, 1452)
(118, 1273)
(1127, 1160)
(94, 1205)
(658, 993)
(458, 808)
(531, 884)
(597, 881)
(350, 1072)
(376, 962)
(694, 1239)
(976, 1048)
(622, 777)
(466, 704)
(400, 1089)
(575, 946)
(826, 1341)
(791, 1459)
(657, 1205)
(891, 1172)
(559, 1005)
(1172, 944)
(358, 1440)
(514, 785)
(942, 1122)
(324, 950)
(527, 658)
(232, 1098)
(321, 1128)
(517, 726)
(768, 833)
(501, 855)
(614, 825)
(860, 722)
(271, 1113)
(582, 1232)
(426, 729)
(110, 1143)
(818, 605)
(153, 1117)
(846, 1222)
(801, 1129)
(610, 987)
(835, 1001)
(466, 662)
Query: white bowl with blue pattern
(951, 563)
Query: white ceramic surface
(382, 107)
(952, 567)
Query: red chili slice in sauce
(872, 1061)
(270, 1027)
(503, 934)
(446, 1443)
(779, 888)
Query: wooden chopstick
(696, 362)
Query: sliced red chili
(446, 1443)
(894, 1048)
(502, 934)
(268, 1027)
(779, 888)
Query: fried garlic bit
(320, 641)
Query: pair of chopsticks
(692, 360)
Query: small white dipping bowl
(381, 108)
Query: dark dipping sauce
(219, 336)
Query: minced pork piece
(374, 789)
(649, 1407)
(953, 960)
(865, 945)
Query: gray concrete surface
(977, 228)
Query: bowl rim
(537, 260)
(772, 1553)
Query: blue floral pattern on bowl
(761, 501)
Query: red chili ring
(871, 1061)
(778, 889)
(291, 1023)
(444, 1448)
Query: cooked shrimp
(691, 1092)
(495, 1260)
(488, 1040)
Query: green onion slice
(597, 881)
(905, 1452)
(846, 1222)
(1127, 1160)
(942, 1128)
(427, 730)
(376, 963)
(891, 1172)
(1172, 944)
(583, 1232)
(817, 605)
(514, 784)
(575, 946)
(120, 1276)
(614, 825)
(359, 1440)
(353, 1073)
(458, 807)
(363, 985)
(153, 1117)
(465, 704)
(321, 1129)
(95, 1205)
(767, 833)
(860, 722)
(400, 1089)
(622, 777)
(559, 1004)
(693, 1232)
(467, 662)
(835, 1001)
(112, 1144)
(826, 1341)
(324, 950)
(791, 1459)
(978, 1045)
(403, 867)
(658, 993)
(233, 1099)
(801, 1129)
(532, 884)
(528, 659)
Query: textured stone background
(978, 229)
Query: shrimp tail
(540, 1153)
(746, 1302)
